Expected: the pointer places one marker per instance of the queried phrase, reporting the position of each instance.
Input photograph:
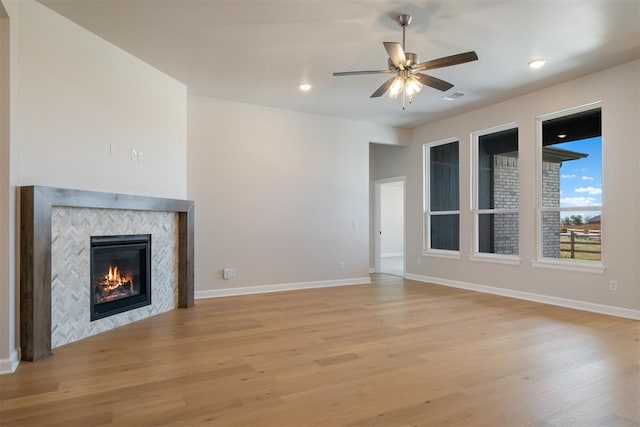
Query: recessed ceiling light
(536, 63)
(305, 87)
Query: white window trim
(426, 202)
(496, 258)
(572, 208)
(581, 266)
(596, 267)
(441, 253)
(476, 255)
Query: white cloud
(589, 190)
(588, 178)
(569, 176)
(577, 201)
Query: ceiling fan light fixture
(411, 87)
(396, 87)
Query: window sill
(496, 259)
(441, 254)
(580, 266)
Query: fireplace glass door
(120, 274)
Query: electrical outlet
(613, 285)
(419, 261)
(341, 265)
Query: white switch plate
(228, 273)
(134, 155)
(113, 150)
(140, 156)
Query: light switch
(228, 273)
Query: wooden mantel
(35, 253)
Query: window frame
(586, 266)
(426, 202)
(476, 255)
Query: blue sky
(581, 180)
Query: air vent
(452, 96)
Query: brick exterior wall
(506, 193)
(551, 220)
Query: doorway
(389, 239)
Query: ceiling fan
(408, 80)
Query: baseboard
(545, 299)
(9, 366)
(248, 290)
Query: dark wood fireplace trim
(35, 253)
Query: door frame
(377, 219)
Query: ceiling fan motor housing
(411, 60)
(404, 20)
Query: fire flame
(113, 279)
(114, 274)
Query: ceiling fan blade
(396, 53)
(433, 82)
(447, 61)
(356, 73)
(382, 89)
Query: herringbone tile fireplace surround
(71, 231)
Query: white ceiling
(258, 51)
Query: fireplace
(120, 274)
(56, 225)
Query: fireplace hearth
(120, 274)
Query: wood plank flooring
(395, 352)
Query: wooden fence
(574, 241)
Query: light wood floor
(395, 352)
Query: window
(442, 200)
(496, 191)
(570, 185)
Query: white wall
(617, 88)
(8, 360)
(391, 219)
(72, 96)
(277, 193)
(78, 94)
